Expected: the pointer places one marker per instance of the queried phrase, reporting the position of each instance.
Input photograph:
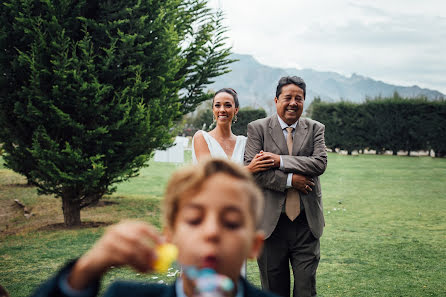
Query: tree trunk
(29, 182)
(395, 152)
(349, 153)
(71, 210)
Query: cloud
(395, 41)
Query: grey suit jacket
(308, 158)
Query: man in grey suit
(293, 219)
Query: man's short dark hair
(287, 80)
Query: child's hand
(127, 243)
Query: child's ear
(257, 245)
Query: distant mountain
(256, 84)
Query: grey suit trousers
(290, 243)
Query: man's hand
(128, 243)
(274, 157)
(261, 162)
(302, 183)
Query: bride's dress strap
(239, 150)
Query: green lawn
(385, 229)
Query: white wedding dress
(218, 152)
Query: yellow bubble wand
(166, 253)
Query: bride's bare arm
(201, 148)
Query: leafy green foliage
(393, 123)
(245, 116)
(88, 89)
(201, 119)
(435, 122)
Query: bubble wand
(208, 283)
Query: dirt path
(10, 183)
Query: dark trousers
(291, 242)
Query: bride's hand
(261, 162)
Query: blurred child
(211, 212)
(3, 292)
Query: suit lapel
(275, 130)
(299, 136)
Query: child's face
(214, 228)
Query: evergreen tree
(309, 110)
(435, 126)
(330, 115)
(201, 119)
(393, 123)
(89, 89)
(378, 124)
(351, 126)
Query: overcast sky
(397, 41)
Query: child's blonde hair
(189, 180)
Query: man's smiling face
(290, 103)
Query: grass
(385, 230)
(385, 233)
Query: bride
(221, 142)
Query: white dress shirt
(284, 125)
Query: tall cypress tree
(89, 89)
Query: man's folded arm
(273, 179)
(313, 165)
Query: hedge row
(384, 124)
